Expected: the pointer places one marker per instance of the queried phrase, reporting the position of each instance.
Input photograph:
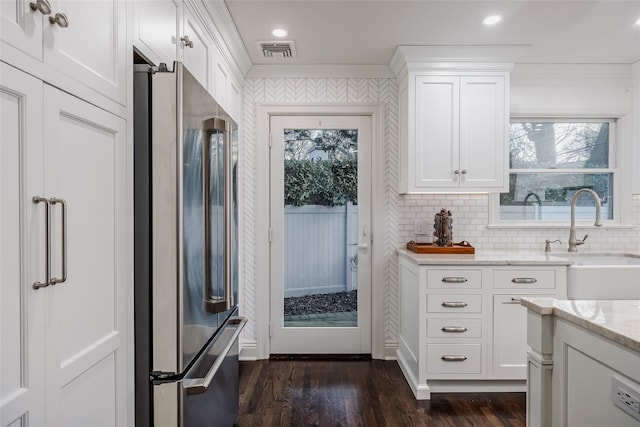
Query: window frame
(619, 190)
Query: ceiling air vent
(277, 49)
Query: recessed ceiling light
(492, 20)
(279, 32)
(638, 22)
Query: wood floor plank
(346, 393)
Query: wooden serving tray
(463, 247)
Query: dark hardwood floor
(373, 393)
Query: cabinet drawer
(524, 279)
(441, 303)
(454, 328)
(454, 279)
(454, 358)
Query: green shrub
(320, 182)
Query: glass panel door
(320, 227)
(320, 222)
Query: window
(549, 160)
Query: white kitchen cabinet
(459, 137)
(462, 327)
(508, 338)
(64, 345)
(170, 30)
(86, 41)
(157, 28)
(454, 118)
(198, 50)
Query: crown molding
(574, 74)
(430, 55)
(227, 37)
(320, 71)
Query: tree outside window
(549, 161)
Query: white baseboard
(390, 350)
(248, 352)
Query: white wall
(536, 90)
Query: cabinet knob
(60, 19)
(43, 6)
(457, 171)
(186, 41)
(463, 172)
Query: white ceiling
(366, 32)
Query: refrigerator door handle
(200, 385)
(213, 303)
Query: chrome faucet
(573, 242)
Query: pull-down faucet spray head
(573, 242)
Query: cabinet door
(233, 100)
(198, 50)
(92, 49)
(222, 77)
(22, 250)
(509, 358)
(21, 27)
(483, 133)
(85, 165)
(156, 25)
(437, 132)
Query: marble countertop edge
(616, 320)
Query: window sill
(532, 225)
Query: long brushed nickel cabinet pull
(454, 304)
(63, 230)
(454, 329)
(47, 243)
(513, 301)
(454, 358)
(454, 279)
(526, 280)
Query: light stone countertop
(616, 320)
(487, 258)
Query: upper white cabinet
(454, 119)
(198, 49)
(83, 40)
(457, 133)
(157, 26)
(173, 30)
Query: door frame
(262, 267)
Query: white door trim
(378, 284)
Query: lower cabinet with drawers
(462, 327)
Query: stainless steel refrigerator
(185, 252)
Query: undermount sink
(603, 276)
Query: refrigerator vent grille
(277, 49)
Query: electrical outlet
(626, 395)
